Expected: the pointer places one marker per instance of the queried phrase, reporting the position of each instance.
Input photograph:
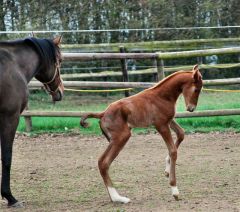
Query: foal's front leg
(180, 136)
(164, 130)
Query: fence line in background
(147, 71)
(158, 55)
(147, 46)
(159, 58)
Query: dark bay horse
(152, 107)
(20, 61)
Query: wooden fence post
(160, 69)
(28, 121)
(124, 69)
(200, 60)
(155, 75)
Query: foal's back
(140, 110)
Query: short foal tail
(84, 124)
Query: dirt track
(59, 173)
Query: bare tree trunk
(2, 23)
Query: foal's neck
(171, 87)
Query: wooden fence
(158, 57)
(148, 71)
(150, 46)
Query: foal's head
(51, 78)
(192, 89)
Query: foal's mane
(169, 77)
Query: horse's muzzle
(58, 94)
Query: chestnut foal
(154, 106)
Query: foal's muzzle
(191, 108)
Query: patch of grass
(60, 125)
(71, 102)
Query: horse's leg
(117, 141)
(180, 136)
(8, 126)
(164, 130)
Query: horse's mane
(11, 42)
(168, 78)
(45, 48)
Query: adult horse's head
(49, 66)
(192, 89)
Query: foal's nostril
(190, 108)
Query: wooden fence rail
(147, 71)
(159, 55)
(226, 112)
(97, 84)
(154, 45)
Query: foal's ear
(196, 73)
(57, 40)
(195, 67)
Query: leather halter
(56, 74)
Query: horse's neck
(171, 87)
(29, 59)
(26, 58)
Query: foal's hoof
(122, 199)
(166, 174)
(175, 192)
(115, 197)
(176, 197)
(17, 205)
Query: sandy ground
(57, 172)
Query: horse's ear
(57, 40)
(196, 73)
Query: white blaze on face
(193, 89)
(189, 104)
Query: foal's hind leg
(180, 136)
(8, 126)
(164, 130)
(118, 139)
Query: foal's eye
(196, 90)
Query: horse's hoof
(17, 205)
